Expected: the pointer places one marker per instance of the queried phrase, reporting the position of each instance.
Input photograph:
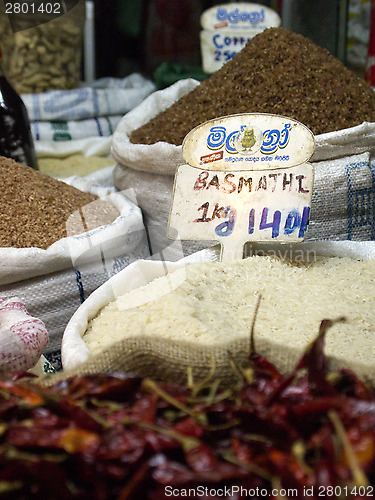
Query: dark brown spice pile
(35, 208)
(277, 72)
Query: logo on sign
(249, 139)
(235, 16)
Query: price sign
(227, 28)
(241, 206)
(233, 205)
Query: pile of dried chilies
(305, 435)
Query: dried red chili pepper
(121, 437)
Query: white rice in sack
(210, 303)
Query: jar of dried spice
(42, 47)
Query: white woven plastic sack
(82, 120)
(74, 350)
(343, 205)
(162, 157)
(53, 283)
(140, 273)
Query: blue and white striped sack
(58, 131)
(90, 111)
(53, 283)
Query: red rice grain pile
(35, 207)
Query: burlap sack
(174, 361)
(171, 360)
(343, 197)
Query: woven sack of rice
(305, 83)
(162, 319)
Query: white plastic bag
(23, 338)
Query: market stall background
(121, 436)
(153, 44)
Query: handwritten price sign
(233, 206)
(241, 206)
